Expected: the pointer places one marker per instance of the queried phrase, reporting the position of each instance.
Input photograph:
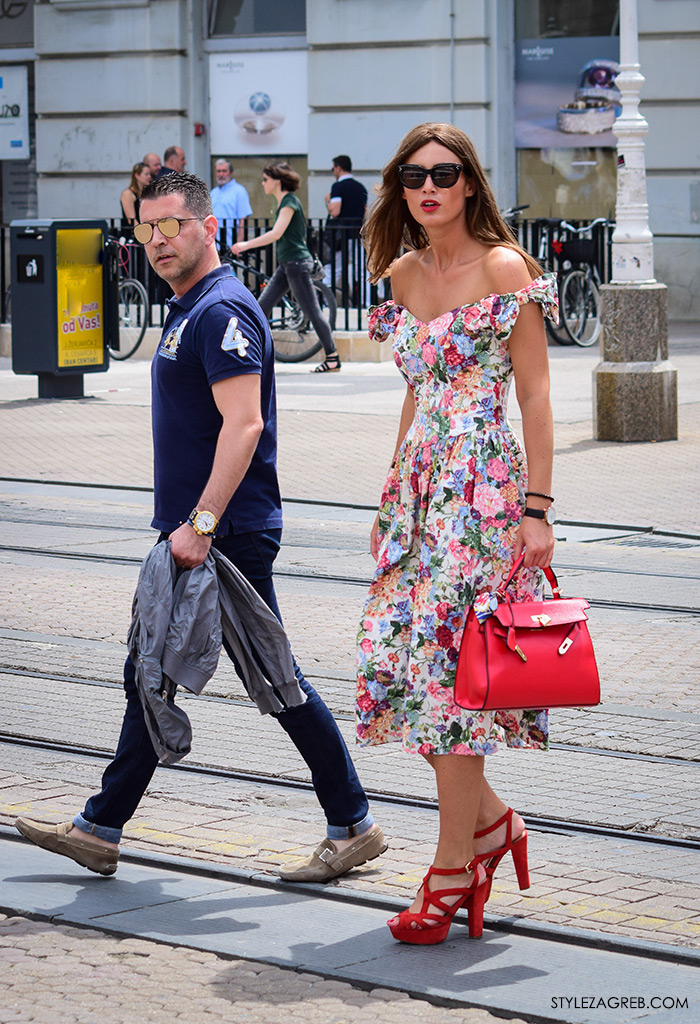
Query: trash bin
(62, 302)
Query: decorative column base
(635, 395)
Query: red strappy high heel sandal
(517, 847)
(428, 934)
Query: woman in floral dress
(460, 501)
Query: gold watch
(203, 523)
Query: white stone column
(633, 247)
(634, 386)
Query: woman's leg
(491, 809)
(459, 780)
(304, 292)
(273, 291)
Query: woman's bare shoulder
(402, 273)
(507, 270)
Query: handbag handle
(549, 574)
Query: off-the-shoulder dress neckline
(466, 305)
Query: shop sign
(14, 120)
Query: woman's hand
(238, 248)
(374, 539)
(536, 539)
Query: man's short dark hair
(343, 162)
(192, 189)
(170, 152)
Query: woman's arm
(408, 411)
(128, 201)
(528, 351)
(508, 273)
(273, 235)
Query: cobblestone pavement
(69, 618)
(86, 977)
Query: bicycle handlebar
(229, 258)
(586, 227)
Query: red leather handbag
(527, 654)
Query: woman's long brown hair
(389, 224)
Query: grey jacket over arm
(179, 618)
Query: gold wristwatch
(203, 523)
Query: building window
(253, 18)
(547, 19)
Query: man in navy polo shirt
(215, 482)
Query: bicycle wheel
(296, 339)
(557, 332)
(580, 304)
(133, 317)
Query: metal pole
(452, 61)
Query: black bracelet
(536, 494)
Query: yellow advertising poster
(79, 286)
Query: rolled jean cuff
(110, 835)
(350, 831)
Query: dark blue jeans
(310, 726)
(296, 274)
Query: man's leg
(93, 836)
(314, 732)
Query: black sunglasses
(441, 175)
(168, 226)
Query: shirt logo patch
(171, 342)
(233, 339)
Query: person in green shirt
(294, 261)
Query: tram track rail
(355, 581)
(340, 716)
(350, 506)
(537, 823)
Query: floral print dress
(448, 520)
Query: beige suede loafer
(55, 838)
(326, 862)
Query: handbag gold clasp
(565, 645)
(543, 619)
(520, 652)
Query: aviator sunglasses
(441, 175)
(169, 227)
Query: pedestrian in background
(131, 196)
(154, 164)
(294, 261)
(173, 160)
(459, 504)
(230, 201)
(346, 204)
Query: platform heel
(418, 929)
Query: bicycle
(544, 226)
(134, 306)
(579, 295)
(511, 216)
(292, 332)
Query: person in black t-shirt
(346, 204)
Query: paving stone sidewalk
(85, 977)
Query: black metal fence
(339, 250)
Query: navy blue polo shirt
(213, 332)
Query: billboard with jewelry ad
(565, 92)
(258, 103)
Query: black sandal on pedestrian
(331, 364)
